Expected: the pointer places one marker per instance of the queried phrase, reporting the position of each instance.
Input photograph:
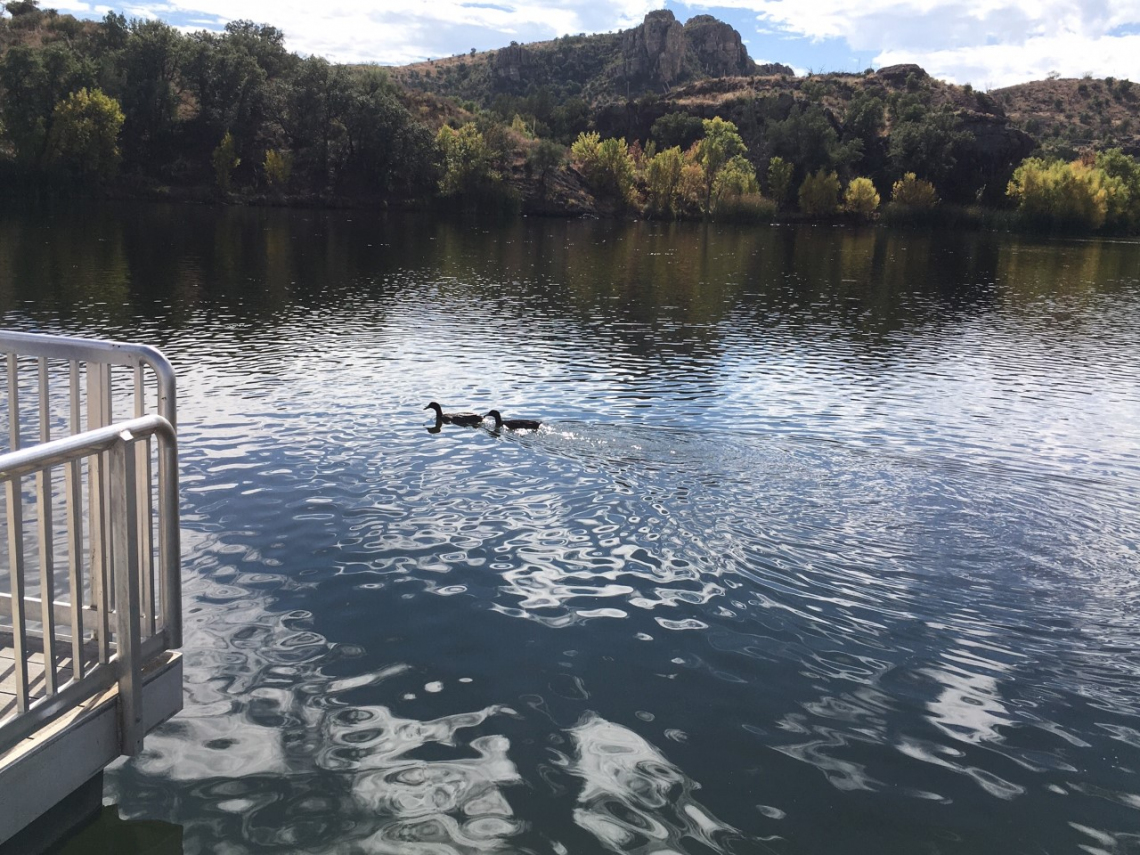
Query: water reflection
(969, 704)
(841, 524)
(633, 800)
(275, 757)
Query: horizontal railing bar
(100, 351)
(27, 461)
(62, 611)
(150, 646)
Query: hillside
(743, 99)
(1065, 114)
(654, 57)
(621, 84)
(896, 117)
(138, 108)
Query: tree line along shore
(137, 109)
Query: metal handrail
(102, 352)
(131, 647)
(125, 589)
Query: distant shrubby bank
(138, 109)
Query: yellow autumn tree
(1055, 194)
(607, 165)
(84, 137)
(861, 197)
(912, 191)
(225, 161)
(468, 167)
(278, 168)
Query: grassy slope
(1072, 113)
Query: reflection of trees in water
(633, 303)
(63, 267)
(655, 290)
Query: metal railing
(100, 595)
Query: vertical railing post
(169, 543)
(46, 537)
(74, 487)
(145, 512)
(124, 540)
(16, 579)
(13, 403)
(98, 392)
(16, 542)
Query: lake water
(830, 542)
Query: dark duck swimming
(512, 424)
(453, 418)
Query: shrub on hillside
(745, 208)
(913, 192)
(606, 164)
(819, 194)
(1074, 196)
(544, 158)
(861, 197)
(780, 173)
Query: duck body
(512, 424)
(454, 418)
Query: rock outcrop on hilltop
(656, 56)
(661, 53)
(511, 63)
(654, 53)
(897, 75)
(996, 139)
(717, 48)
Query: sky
(988, 43)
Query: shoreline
(944, 216)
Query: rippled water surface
(830, 542)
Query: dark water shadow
(109, 833)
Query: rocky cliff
(511, 63)
(717, 48)
(653, 54)
(661, 53)
(656, 56)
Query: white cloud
(985, 42)
(391, 33)
(1001, 41)
(994, 66)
